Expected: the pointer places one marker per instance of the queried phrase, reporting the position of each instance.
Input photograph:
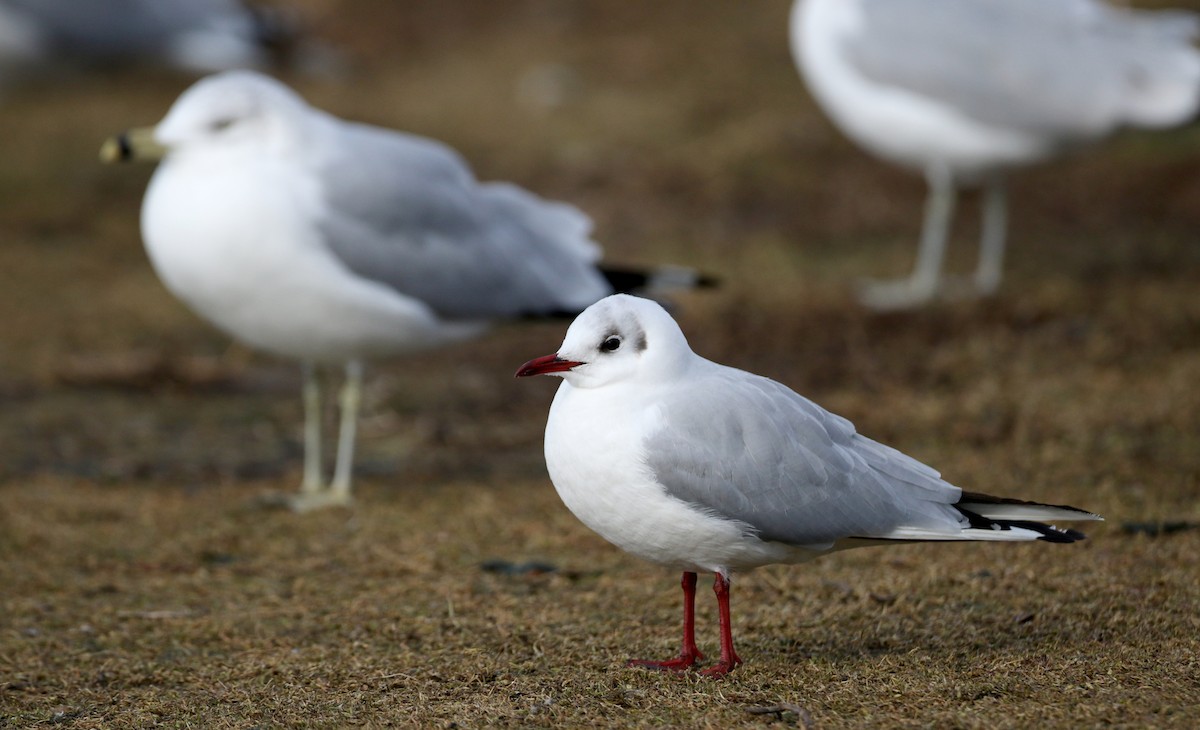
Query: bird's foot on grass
(307, 501)
(720, 669)
(895, 295)
(723, 667)
(681, 663)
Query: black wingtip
(639, 281)
(624, 281)
(1051, 533)
(1046, 532)
(981, 499)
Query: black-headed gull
(706, 468)
(333, 242)
(963, 90)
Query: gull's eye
(220, 125)
(610, 344)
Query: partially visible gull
(333, 242)
(194, 35)
(964, 90)
(705, 468)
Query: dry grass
(143, 586)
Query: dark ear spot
(639, 341)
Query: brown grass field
(142, 585)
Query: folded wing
(746, 448)
(407, 212)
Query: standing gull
(702, 467)
(333, 242)
(964, 90)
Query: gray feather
(122, 28)
(746, 448)
(1071, 69)
(406, 212)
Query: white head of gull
(706, 468)
(333, 242)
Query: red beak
(545, 364)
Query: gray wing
(1069, 68)
(122, 28)
(747, 448)
(406, 211)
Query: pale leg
(922, 285)
(992, 239)
(312, 496)
(350, 402)
(312, 430)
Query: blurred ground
(143, 586)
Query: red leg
(689, 653)
(729, 657)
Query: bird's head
(225, 110)
(619, 338)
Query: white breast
(238, 244)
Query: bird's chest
(593, 453)
(222, 229)
(594, 456)
(233, 239)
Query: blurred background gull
(964, 90)
(39, 37)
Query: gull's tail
(1159, 66)
(1003, 518)
(559, 263)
